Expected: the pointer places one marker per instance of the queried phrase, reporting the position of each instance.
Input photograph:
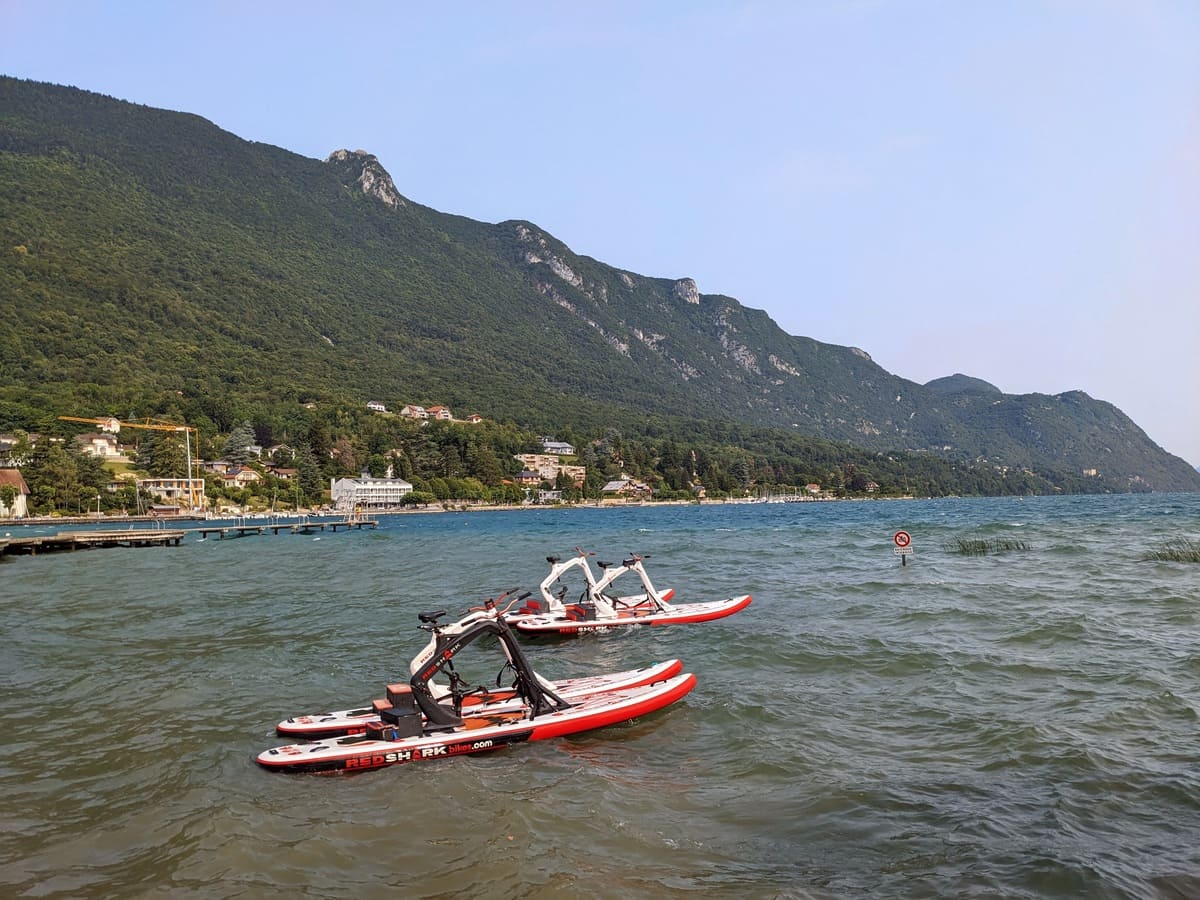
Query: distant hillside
(149, 258)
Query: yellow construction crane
(195, 486)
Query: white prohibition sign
(902, 539)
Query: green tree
(163, 454)
(483, 464)
(418, 498)
(439, 488)
(452, 463)
(54, 485)
(377, 465)
(239, 442)
(402, 466)
(508, 493)
(345, 457)
(467, 489)
(739, 471)
(308, 474)
(319, 441)
(8, 497)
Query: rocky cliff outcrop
(685, 289)
(371, 176)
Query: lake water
(1020, 724)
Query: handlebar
(490, 605)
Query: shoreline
(93, 519)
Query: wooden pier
(86, 540)
(224, 531)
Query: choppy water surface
(1021, 724)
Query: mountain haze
(146, 253)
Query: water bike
(599, 608)
(424, 719)
(483, 701)
(561, 568)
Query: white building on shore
(367, 492)
(179, 492)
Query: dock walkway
(86, 540)
(276, 527)
(83, 540)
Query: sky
(1008, 189)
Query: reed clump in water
(980, 546)
(1176, 550)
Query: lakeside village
(539, 482)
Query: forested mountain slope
(148, 254)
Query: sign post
(903, 548)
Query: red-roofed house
(10, 482)
(241, 477)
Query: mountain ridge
(274, 278)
